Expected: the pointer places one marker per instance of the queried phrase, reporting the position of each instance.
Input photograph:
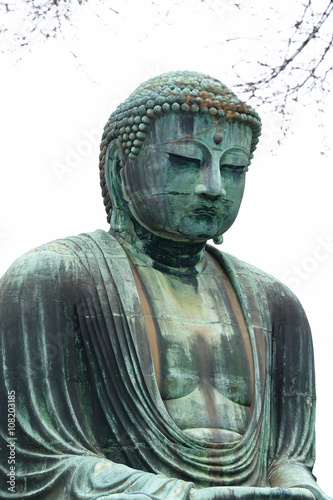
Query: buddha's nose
(211, 182)
(213, 192)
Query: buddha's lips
(206, 211)
(211, 209)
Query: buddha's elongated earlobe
(119, 219)
(218, 240)
(119, 211)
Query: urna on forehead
(180, 92)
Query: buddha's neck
(165, 253)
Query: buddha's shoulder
(251, 276)
(62, 257)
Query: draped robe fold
(89, 417)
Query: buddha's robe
(90, 420)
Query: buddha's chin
(202, 230)
(189, 229)
(193, 233)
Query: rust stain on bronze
(150, 323)
(237, 310)
(204, 366)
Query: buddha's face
(185, 184)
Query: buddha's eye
(235, 168)
(181, 160)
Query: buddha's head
(174, 157)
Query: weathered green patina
(147, 364)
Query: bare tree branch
(295, 55)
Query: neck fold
(170, 256)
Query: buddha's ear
(114, 162)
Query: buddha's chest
(197, 335)
(192, 354)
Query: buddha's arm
(145, 484)
(56, 453)
(293, 474)
(293, 399)
(251, 493)
(106, 480)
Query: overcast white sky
(52, 113)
